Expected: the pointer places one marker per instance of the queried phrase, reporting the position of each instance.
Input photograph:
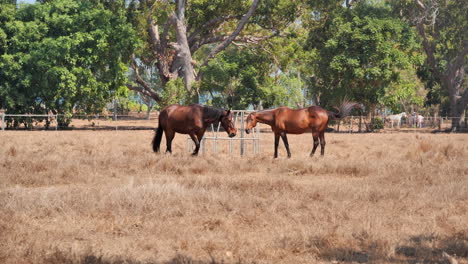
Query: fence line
(239, 119)
(99, 121)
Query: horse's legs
(322, 143)
(197, 144)
(199, 137)
(285, 141)
(169, 137)
(315, 135)
(277, 136)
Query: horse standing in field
(192, 120)
(416, 120)
(284, 120)
(396, 118)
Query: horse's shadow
(60, 257)
(417, 249)
(425, 248)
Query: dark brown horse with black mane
(192, 120)
(284, 120)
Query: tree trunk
(458, 104)
(360, 123)
(451, 79)
(172, 63)
(148, 112)
(183, 61)
(115, 105)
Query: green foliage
(65, 56)
(359, 53)
(287, 90)
(407, 91)
(5, 2)
(444, 24)
(235, 78)
(239, 78)
(62, 56)
(174, 93)
(377, 123)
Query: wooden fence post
(242, 134)
(360, 124)
(3, 121)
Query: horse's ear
(228, 112)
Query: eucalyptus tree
(443, 27)
(181, 37)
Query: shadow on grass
(63, 258)
(429, 248)
(417, 249)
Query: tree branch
(160, 45)
(152, 94)
(420, 4)
(350, 3)
(243, 39)
(457, 62)
(234, 34)
(180, 9)
(209, 24)
(163, 47)
(153, 31)
(463, 102)
(144, 87)
(428, 48)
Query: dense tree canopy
(360, 53)
(65, 56)
(442, 26)
(62, 56)
(181, 37)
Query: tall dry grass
(104, 197)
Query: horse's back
(182, 119)
(298, 121)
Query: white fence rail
(130, 122)
(214, 136)
(49, 117)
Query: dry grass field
(104, 197)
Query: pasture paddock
(105, 197)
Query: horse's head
(228, 125)
(251, 122)
(403, 114)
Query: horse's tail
(157, 138)
(343, 110)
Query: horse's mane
(211, 113)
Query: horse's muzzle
(247, 131)
(232, 135)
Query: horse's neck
(266, 117)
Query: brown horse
(284, 120)
(192, 120)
